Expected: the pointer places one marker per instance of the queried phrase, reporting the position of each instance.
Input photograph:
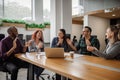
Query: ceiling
(111, 13)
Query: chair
(20, 36)
(2, 36)
(48, 76)
(1, 66)
(28, 37)
(4, 70)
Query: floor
(22, 75)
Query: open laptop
(54, 52)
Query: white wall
(99, 26)
(76, 30)
(93, 5)
(21, 30)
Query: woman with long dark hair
(63, 42)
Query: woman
(64, 42)
(37, 44)
(112, 50)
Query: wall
(21, 30)
(76, 30)
(99, 26)
(93, 5)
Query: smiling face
(13, 32)
(109, 33)
(60, 34)
(86, 32)
(39, 34)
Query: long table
(79, 68)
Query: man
(85, 40)
(9, 47)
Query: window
(17, 9)
(77, 7)
(46, 10)
(1, 8)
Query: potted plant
(21, 23)
(18, 23)
(47, 24)
(34, 26)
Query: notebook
(54, 52)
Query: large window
(46, 10)
(77, 7)
(1, 8)
(17, 9)
(22, 9)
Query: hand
(40, 45)
(13, 48)
(14, 44)
(87, 42)
(27, 44)
(69, 42)
(90, 48)
(60, 41)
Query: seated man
(10, 46)
(87, 40)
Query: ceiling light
(113, 15)
(107, 10)
(111, 10)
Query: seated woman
(64, 42)
(112, 50)
(36, 44)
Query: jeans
(13, 65)
(12, 69)
(38, 70)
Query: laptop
(54, 52)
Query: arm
(30, 45)
(78, 45)
(112, 53)
(95, 43)
(54, 42)
(7, 51)
(69, 42)
(41, 46)
(22, 48)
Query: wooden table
(80, 68)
